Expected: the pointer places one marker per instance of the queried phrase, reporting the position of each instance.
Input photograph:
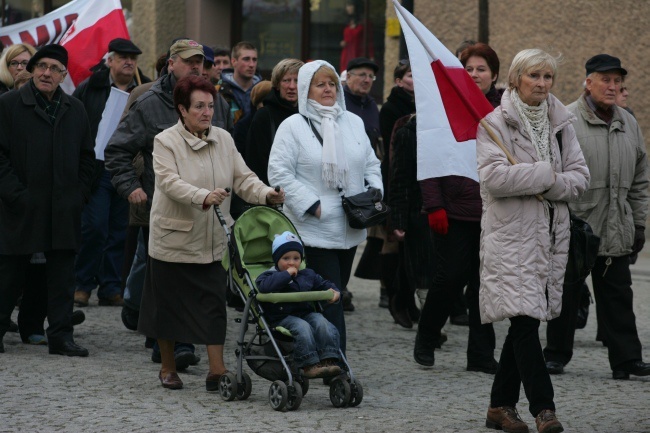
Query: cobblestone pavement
(116, 389)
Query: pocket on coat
(175, 224)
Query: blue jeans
(135, 280)
(315, 338)
(103, 230)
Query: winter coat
(262, 132)
(152, 113)
(398, 104)
(45, 172)
(238, 98)
(187, 169)
(523, 251)
(617, 199)
(295, 164)
(281, 281)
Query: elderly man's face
(184, 67)
(48, 74)
(604, 86)
(122, 66)
(360, 80)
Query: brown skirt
(184, 302)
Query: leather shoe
(170, 380)
(488, 368)
(78, 317)
(67, 348)
(212, 381)
(401, 316)
(130, 318)
(547, 422)
(81, 298)
(505, 418)
(423, 352)
(636, 368)
(554, 367)
(113, 301)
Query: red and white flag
(449, 104)
(87, 39)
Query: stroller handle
(323, 295)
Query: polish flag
(98, 23)
(449, 104)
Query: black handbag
(583, 245)
(365, 209)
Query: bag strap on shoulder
(313, 128)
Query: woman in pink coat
(525, 231)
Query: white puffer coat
(295, 164)
(523, 253)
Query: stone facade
(577, 29)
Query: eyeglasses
(16, 63)
(363, 75)
(42, 67)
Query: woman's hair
(284, 67)
(484, 51)
(259, 92)
(184, 88)
(401, 69)
(21, 78)
(530, 60)
(330, 73)
(8, 55)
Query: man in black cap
(46, 164)
(105, 218)
(616, 207)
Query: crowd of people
(126, 207)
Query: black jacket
(398, 104)
(45, 171)
(262, 132)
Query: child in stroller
(316, 340)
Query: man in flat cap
(105, 218)
(152, 113)
(46, 165)
(616, 208)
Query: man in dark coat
(105, 218)
(46, 164)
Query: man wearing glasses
(46, 165)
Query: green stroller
(267, 350)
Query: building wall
(577, 29)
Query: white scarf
(536, 122)
(334, 163)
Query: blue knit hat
(284, 243)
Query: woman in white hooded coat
(525, 231)
(316, 152)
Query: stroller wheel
(228, 386)
(304, 382)
(295, 396)
(278, 395)
(340, 392)
(244, 388)
(357, 393)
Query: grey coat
(617, 199)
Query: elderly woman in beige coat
(196, 165)
(525, 231)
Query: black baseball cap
(125, 46)
(604, 63)
(362, 61)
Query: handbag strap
(313, 128)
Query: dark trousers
(614, 310)
(335, 266)
(33, 305)
(103, 231)
(59, 275)
(457, 257)
(522, 361)
(561, 331)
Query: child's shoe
(314, 371)
(332, 367)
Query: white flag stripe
(439, 154)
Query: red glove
(438, 221)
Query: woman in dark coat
(279, 104)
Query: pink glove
(438, 221)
